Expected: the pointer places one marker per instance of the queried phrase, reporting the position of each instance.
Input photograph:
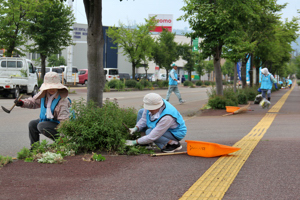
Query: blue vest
(266, 83)
(171, 81)
(180, 131)
(43, 113)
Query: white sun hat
(52, 81)
(152, 101)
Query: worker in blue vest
(173, 85)
(162, 124)
(54, 108)
(267, 80)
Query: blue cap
(173, 65)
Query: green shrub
(130, 83)
(207, 83)
(106, 87)
(113, 83)
(220, 102)
(139, 86)
(146, 83)
(165, 83)
(120, 85)
(242, 98)
(101, 129)
(188, 83)
(159, 84)
(212, 83)
(199, 83)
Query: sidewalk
(271, 171)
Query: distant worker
(290, 83)
(173, 85)
(267, 80)
(161, 122)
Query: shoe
(182, 101)
(172, 148)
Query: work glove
(130, 142)
(18, 102)
(133, 130)
(276, 86)
(258, 90)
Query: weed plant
(4, 160)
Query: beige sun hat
(52, 81)
(152, 101)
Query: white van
(111, 74)
(70, 74)
(50, 69)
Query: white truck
(17, 75)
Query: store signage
(163, 21)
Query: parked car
(138, 76)
(111, 74)
(83, 76)
(125, 76)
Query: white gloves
(133, 130)
(130, 142)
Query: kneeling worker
(162, 123)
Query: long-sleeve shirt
(172, 74)
(161, 127)
(61, 111)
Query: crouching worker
(54, 104)
(162, 124)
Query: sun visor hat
(152, 101)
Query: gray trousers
(46, 128)
(173, 88)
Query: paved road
(266, 167)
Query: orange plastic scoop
(208, 149)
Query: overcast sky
(135, 11)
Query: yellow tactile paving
(217, 179)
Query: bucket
(208, 149)
(231, 109)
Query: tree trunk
(218, 70)
(95, 41)
(244, 71)
(235, 77)
(43, 65)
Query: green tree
(185, 51)
(14, 22)
(169, 47)
(219, 24)
(50, 29)
(54, 61)
(136, 43)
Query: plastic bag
(265, 103)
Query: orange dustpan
(208, 149)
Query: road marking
(217, 179)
